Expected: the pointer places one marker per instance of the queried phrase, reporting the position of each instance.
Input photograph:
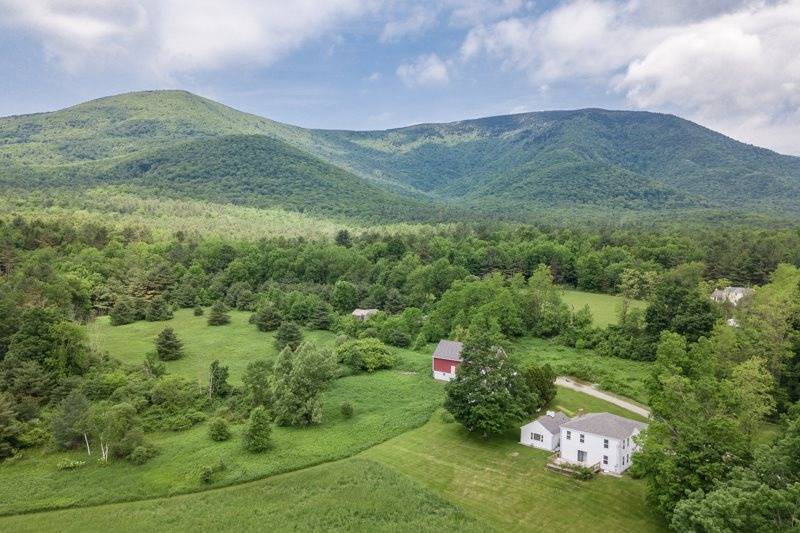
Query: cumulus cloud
(731, 65)
(425, 71)
(420, 18)
(174, 36)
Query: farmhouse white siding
(544, 432)
(600, 439)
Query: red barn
(446, 359)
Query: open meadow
(605, 307)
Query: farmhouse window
(581, 437)
(605, 459)
(569, 435)
(605, 443)
(537, 437)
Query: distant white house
(544, 432)
(446, 359)
(599, 440)
(363, 314)
(732, 295)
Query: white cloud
(419, 19)
(174, 36)
(425, 71)
(736, 71)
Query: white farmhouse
(600, 440)
(544, 432)
(731, 295)
(363, 314)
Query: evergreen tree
(9, 427)
(168, 346)
(321, 317)
(343, 238)
(198, 310)
(67, 424)
(344, 296)
(153, 367)
(157, 310)
(123, 312)
(540, 380)
(288, 334)
(267, 318)
(218, 316)
(218, 380)
(257, 437)
(256, 381)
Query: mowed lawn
(506, 485)
(605, 307)
(348, 495)
(386, 404)
(234, 344)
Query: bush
(267, 318)
(398, 338)
(66, 464)
(447, 417)
(584, 473)
(218, 430)
(141, 454)
(198, 311)
(258, 437)
(365, 354)
(207, 473)
(347, 409)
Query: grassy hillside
(605, 307)
(587, 163)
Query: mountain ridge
(516, 165)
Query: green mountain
(517, 166)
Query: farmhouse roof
(448, 350)
(732, 294)
(364, 312)
(553, 422)
(604, 424)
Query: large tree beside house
(487, 394)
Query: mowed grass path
(605, 307)
(348, 495)
(234, 344)
(506, 486)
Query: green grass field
(234, 344)
(434, 478)
(620, 376)
(605, 307)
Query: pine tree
(66, 425)
(198, 310)
(267, 318)
(168, 346)
(288, 334)
(343, 238)
(9, 427)
(123, 312)
(157, 310)
(257, 437)
(218, 315)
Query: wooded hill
(521, 167)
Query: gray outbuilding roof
(553, 423)
(605, 425)
(448, 350)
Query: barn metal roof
(448, 350)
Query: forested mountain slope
(521, 166)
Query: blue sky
(731, 65)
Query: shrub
(141, 454)
(398, 338)
(347, 409)
(207, 473)
(584, 473)
(447, 417)
(365, 354)
(198, 311)
(288, 334)
(267, 318)
(218, 316)
(218, 430)
(258, 437)
(66, 464)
